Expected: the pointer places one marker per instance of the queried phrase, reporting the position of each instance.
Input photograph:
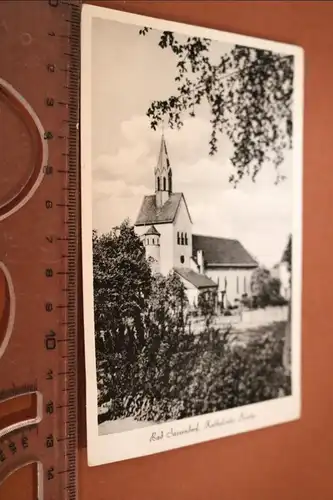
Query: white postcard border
(115, 447)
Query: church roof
(151, 214)
(163, 163)
(152, 230)
(198, 280)
(222, 252)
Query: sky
(128, 72)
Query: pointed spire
(163, 175)
(163, 163)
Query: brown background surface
(292, 461)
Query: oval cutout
(7, 307)
(22, 410)
(28, 475)
(21, 162)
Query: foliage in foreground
(211, 375)
(249, 93)
(149, 364)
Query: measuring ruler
(39, 242)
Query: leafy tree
(140, 333)
(249, 93)
(207, 304)
(163, 366)
(265, 288)
(122, 285)
(122, 281)
(259, 285)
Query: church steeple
(163, 175)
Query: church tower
(151, 241)
(163, 176)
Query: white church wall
(192, 292)
(194, 265)
(238, 281)
(166, 250)
(183, 225)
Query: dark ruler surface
(292, 461)
(40, 58)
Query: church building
(203, 263)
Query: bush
(247, 302)
(214, 375)
(278, 301)
(256, 302)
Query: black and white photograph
(191, 168)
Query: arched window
(182, 239)
(245, 291)
(170, 182)
(153, 241)
(164, 184)
(158, 184)
(186, 240)
(237, 284)
(147, 241)
(178, 238)
(182, 259)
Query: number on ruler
(50, 473)
(50, 341)
(49, 101)
(48, 307)
(49, 273)
(49, 442)
(12, 447)
(49, 407)
(25, 442)
(49, 375)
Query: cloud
(136, 158)
(116, 189)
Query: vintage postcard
(191, 233)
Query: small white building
(204, 263)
